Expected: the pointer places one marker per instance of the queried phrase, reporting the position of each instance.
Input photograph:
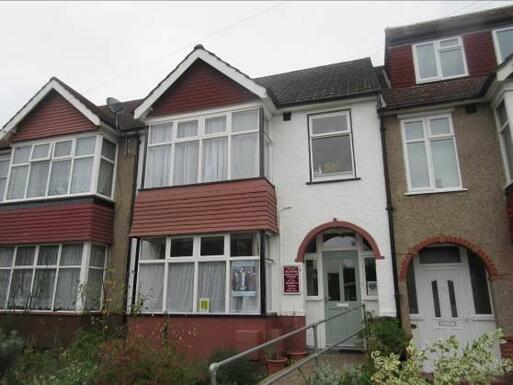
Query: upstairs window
(331, 146)
(439, 60)
(505, 138)
(61, 167)
(503, 39)
(430, 153)
(204, 149)
(4, 172)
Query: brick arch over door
(414, 251)
(335, 224)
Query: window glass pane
(452, 299)
(244, 245)
(245, 156)
(212, 245)
(6, 254)
(25, 255)
(160, 133)
(445, 166)
(327, 124)
(244, 291)
(212, 286)
(67, 289)
(19, 294)
(370, 276)
(48, 255)
(267, 157)
(339, 239)
(59, 177)
(158, 163)
(153, 248)
(451, 61)
(417, 161)
(17, 182)
(245, 120)
(349, 275)
(332, 156)
(426, 62)
(4, 285)
(3, 183)
(93, 291)
(439, 126)
(332, 272)
(436, 299)
(71, 255)
(4, 168)
(105, 178)
(38, 179)
(505, 42)
(312, 278)
(108, 149)
(85, 146)
(181, 247)
(412, 290)
(215, 159)
(442, 254)
(41, 151)
(508, 148)
(62, 149)
(21, 154)
(82, 170)
(413, 130)
(180, 286)
(215, 125)
(186, 163)
(502, 114)
(448, 43)
(97, 256)
(187, 129)
(42, 293)
(479, 282)
(151, 284)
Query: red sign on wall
(291, 279)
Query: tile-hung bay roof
(321, 84)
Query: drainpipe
(390, 210)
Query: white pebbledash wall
(302, 207)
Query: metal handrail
(214, 367)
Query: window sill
(440, 79)
(333, 180)
(188, 315)
(428, 192)
(55, 198)
(56, 313)
(205, 183)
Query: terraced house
(232, 208)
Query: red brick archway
(337, 225)
(490, 265)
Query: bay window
(61, 167)
(503, 39)
(430, 154)
(506, 139)
(439, 60)
(211, 274)
(67, 277)
(204, 149)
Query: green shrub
(11, 347)
(327, 375)
(240, 372)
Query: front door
(342, 293)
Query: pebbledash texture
(227, 210)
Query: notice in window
(291, 279)
(204, 305)
(244, 278)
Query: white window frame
(84, 270)
(196, 259)
(437, 49)
(428, 138)
(201, 137)
(52, 142)
(500, 129)
(498, 53)
(312, 136)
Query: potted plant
(274, 361)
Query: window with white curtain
(505, 138)
(430, 154)
(60, 167)
(439, 60)
(207, 148)
(503, 39)
(200, 274)
(53, 277)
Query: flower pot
(297, 355)
(275, 365)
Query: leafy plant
(240, 372)
(11, 346)
(327, 375)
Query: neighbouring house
(222, 210)
(447, 111)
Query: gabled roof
(321, 84)
(199, 53)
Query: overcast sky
(123, 49)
